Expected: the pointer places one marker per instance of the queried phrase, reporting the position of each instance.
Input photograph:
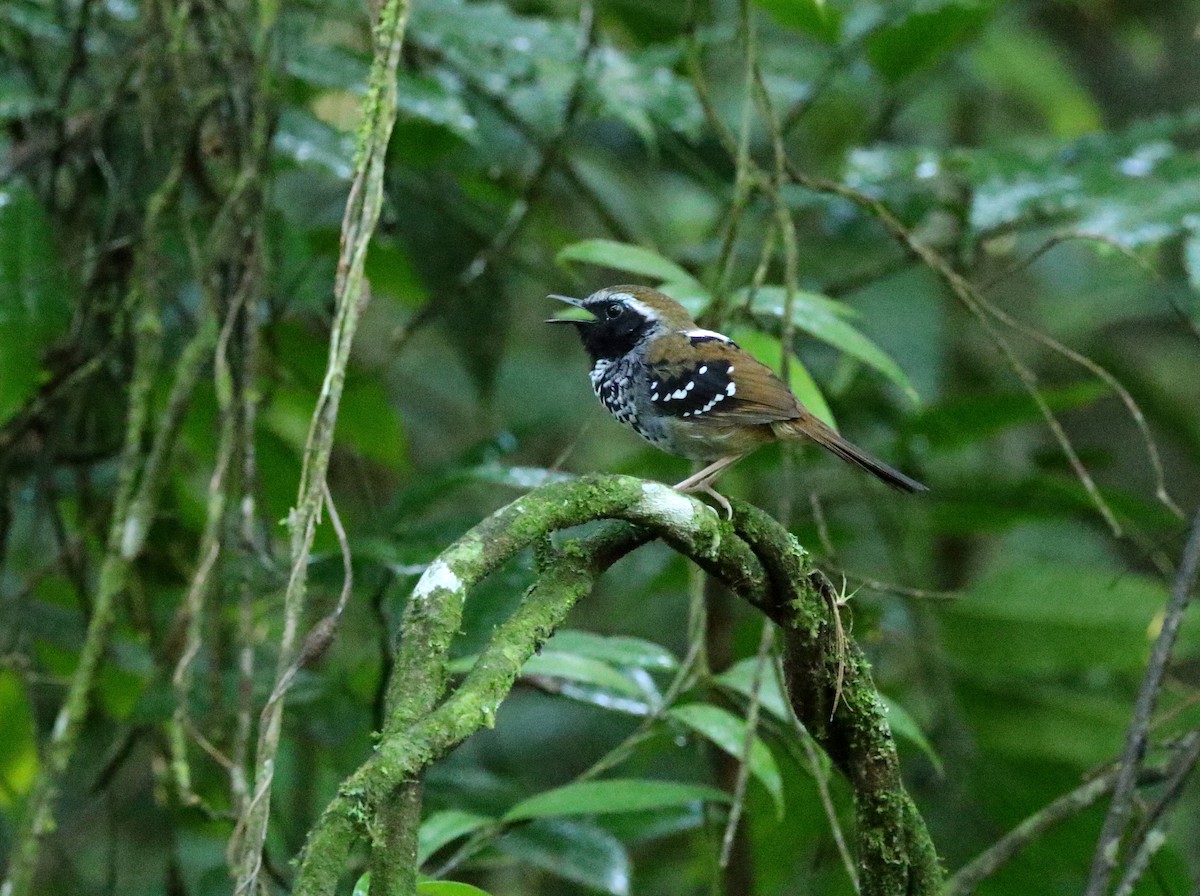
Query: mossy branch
(754, 556)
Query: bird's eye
(614, 310)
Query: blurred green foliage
(1046, 149)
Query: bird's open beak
(577, 314)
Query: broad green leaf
(961, 421)
(1046, 722)
(306, 140)
(616, 650)
(18, 749)
(815, 17)
(769, 350)
(517, 477)
(825, 319)
(923, 37)
(612, 795)
(905, 726)
(368, 423)
(1040, 618)
(729, 732)
(572, 849)
(740, 678)
(625, 257)
(570, 667)
(1191, 251)
(327, 66)
(18, 98)
(390, 269)
(448, 888)
(362, 886)
(444, 827)
(438, 101)
(642, 90)
(35, 296)
(1029, 65)
(583, 669)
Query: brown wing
(705, 375)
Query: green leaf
(578, 851)
(582, 669)
(612, 795)
(905, 726)
(368, 423)
(824, 319)
(813, 17)
(1028, 65)
(18, 98)
(1052, 619)
(769, 350)
(625, 257)
(517, 477)
(729, 732)
(362, 886)
(616, 650)
(307, 140)
(18, 749)
(35, 296)
(967, 420)
(444, 827)
(1191, 251)
(448, 888)
(740, 678)
(642, 90)
(922, 38)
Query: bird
(695, 392)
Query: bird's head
(614, 320)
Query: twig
(1108, 846)
(1149, 838)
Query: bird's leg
(701, 481)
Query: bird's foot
(686, 489)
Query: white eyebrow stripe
(627, 299)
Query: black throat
(609, 340)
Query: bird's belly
(708, 439)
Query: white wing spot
(690, 386)
(708, 334)
(731, 388)
(703, 369)
(730, 370)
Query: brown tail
(810, 427)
